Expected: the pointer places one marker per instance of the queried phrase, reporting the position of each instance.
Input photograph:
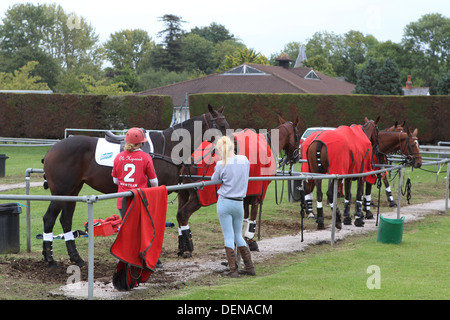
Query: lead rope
(379, 190)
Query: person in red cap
(133, 168)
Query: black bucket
(9, 228)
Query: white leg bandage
(182, 228)
(48, 236)
(68, 236)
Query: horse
(350, 152)
(70, 163)
(381, 159)
(189, 200)
(393, 140)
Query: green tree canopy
(22, 79)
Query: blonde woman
(233, 171)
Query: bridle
(409, 154)
(293, 151)
(212, 120)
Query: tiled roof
(274, 80)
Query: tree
(379, 80)
(215, 33)
(241, 56)
(427, 41)
(170, 53)
(44, 33)
(22, 79)
(319, 63)
(198, 53)
(443, 84)
(126, 48)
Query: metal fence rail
(90, 200)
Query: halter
(292, 157)
(212, 120)
(407, 151)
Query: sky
(263, 25)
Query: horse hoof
(52, 265)
(186, 255)
(359, 222)
(369, 215)
(79, 262)
(338, 225)
(320, 226)
(347, 221)
(253, 246)
(392, 204)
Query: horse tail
(319, 146)
(45, 179)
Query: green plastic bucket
(390, 230)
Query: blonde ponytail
(225, 148)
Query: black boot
(185, 244)
(309, 209)
(347, 218)
(359, 217)
(366, 209)
(392, 203)
(73, 253)
(338, 222)
(47, 252)
(320, 220)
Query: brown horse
(70, 163)
(189, 201)
(355, 154)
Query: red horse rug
(249, 143)
(139, 242)
(348, 148)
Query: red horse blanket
(249, 143)
(348, 148)
(139, 242)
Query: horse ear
(297, 119)
(221, 109)
(210, 108)
(415, 132)
(366, 120)
(378, 119)
(281, 120)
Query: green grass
(418, 268)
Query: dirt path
(183, 270)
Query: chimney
(408, 83)
(284, 60)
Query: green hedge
(47, 115)
(430, 114)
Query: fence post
(91, 248)
(333, 217)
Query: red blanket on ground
(141, 235)
(251, 144)
(349, 150)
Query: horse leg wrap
(73, 252)
(249, 234)
(185, 244)
(347, 218)
(47, 252)
(338, 222)
(319, 220)
(309, 205)
(366, 206)
(359, 217)
(390, 198)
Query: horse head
(410, 148)
(216, 120)
(289, 140)
(370, 128)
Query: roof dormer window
(244, 69)
(312, 76)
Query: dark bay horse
(355, 154)
(70, 163)
(189, 201)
